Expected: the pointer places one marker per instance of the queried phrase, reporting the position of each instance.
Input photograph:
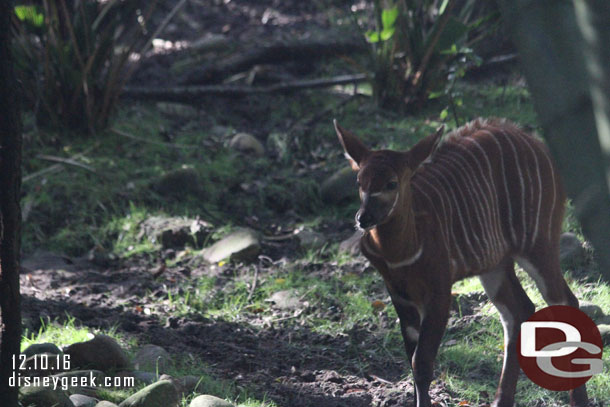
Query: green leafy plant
(70, 61)
(415, 43)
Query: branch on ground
(191, 94)
(272, 54)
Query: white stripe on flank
(512, 145)
(448, 221)
(457, 212)
(448, 218)
(484, 246)
(485, 214)
(444, 233)
(528, 140)
(553, 182)
(492, 194)
(510, 207)
(496, 195)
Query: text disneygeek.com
(66, 382)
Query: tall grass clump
(72, 58)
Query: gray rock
(248, 144)
(105, 403)
(310, 239)
(285, 299)
(174, 232)
(593, 311)
(351, 245)
(101, 353)
(38, 348)
(220, 131)
(571, 249)
(209, 401)
(604, 329)
(152, 358)
(80, 400)
(243, 244)
(179, 183)
(178, 110)
(34, 396)
(340, 187)
(159, 394)
(278, 144)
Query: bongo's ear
(424, 148)
(355, 151)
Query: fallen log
(271, 54)
(192, 94)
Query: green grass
(69, 332)
(347, 295)
(59, 334)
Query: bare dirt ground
(282, 362)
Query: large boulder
(101, 353)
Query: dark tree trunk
(569, 77)
(10, 222)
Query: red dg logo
(560, 348)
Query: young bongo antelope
(472, 205)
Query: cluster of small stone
(103, 357)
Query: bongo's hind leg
(546, 272)
(506, 293)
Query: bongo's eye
(392, 185)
